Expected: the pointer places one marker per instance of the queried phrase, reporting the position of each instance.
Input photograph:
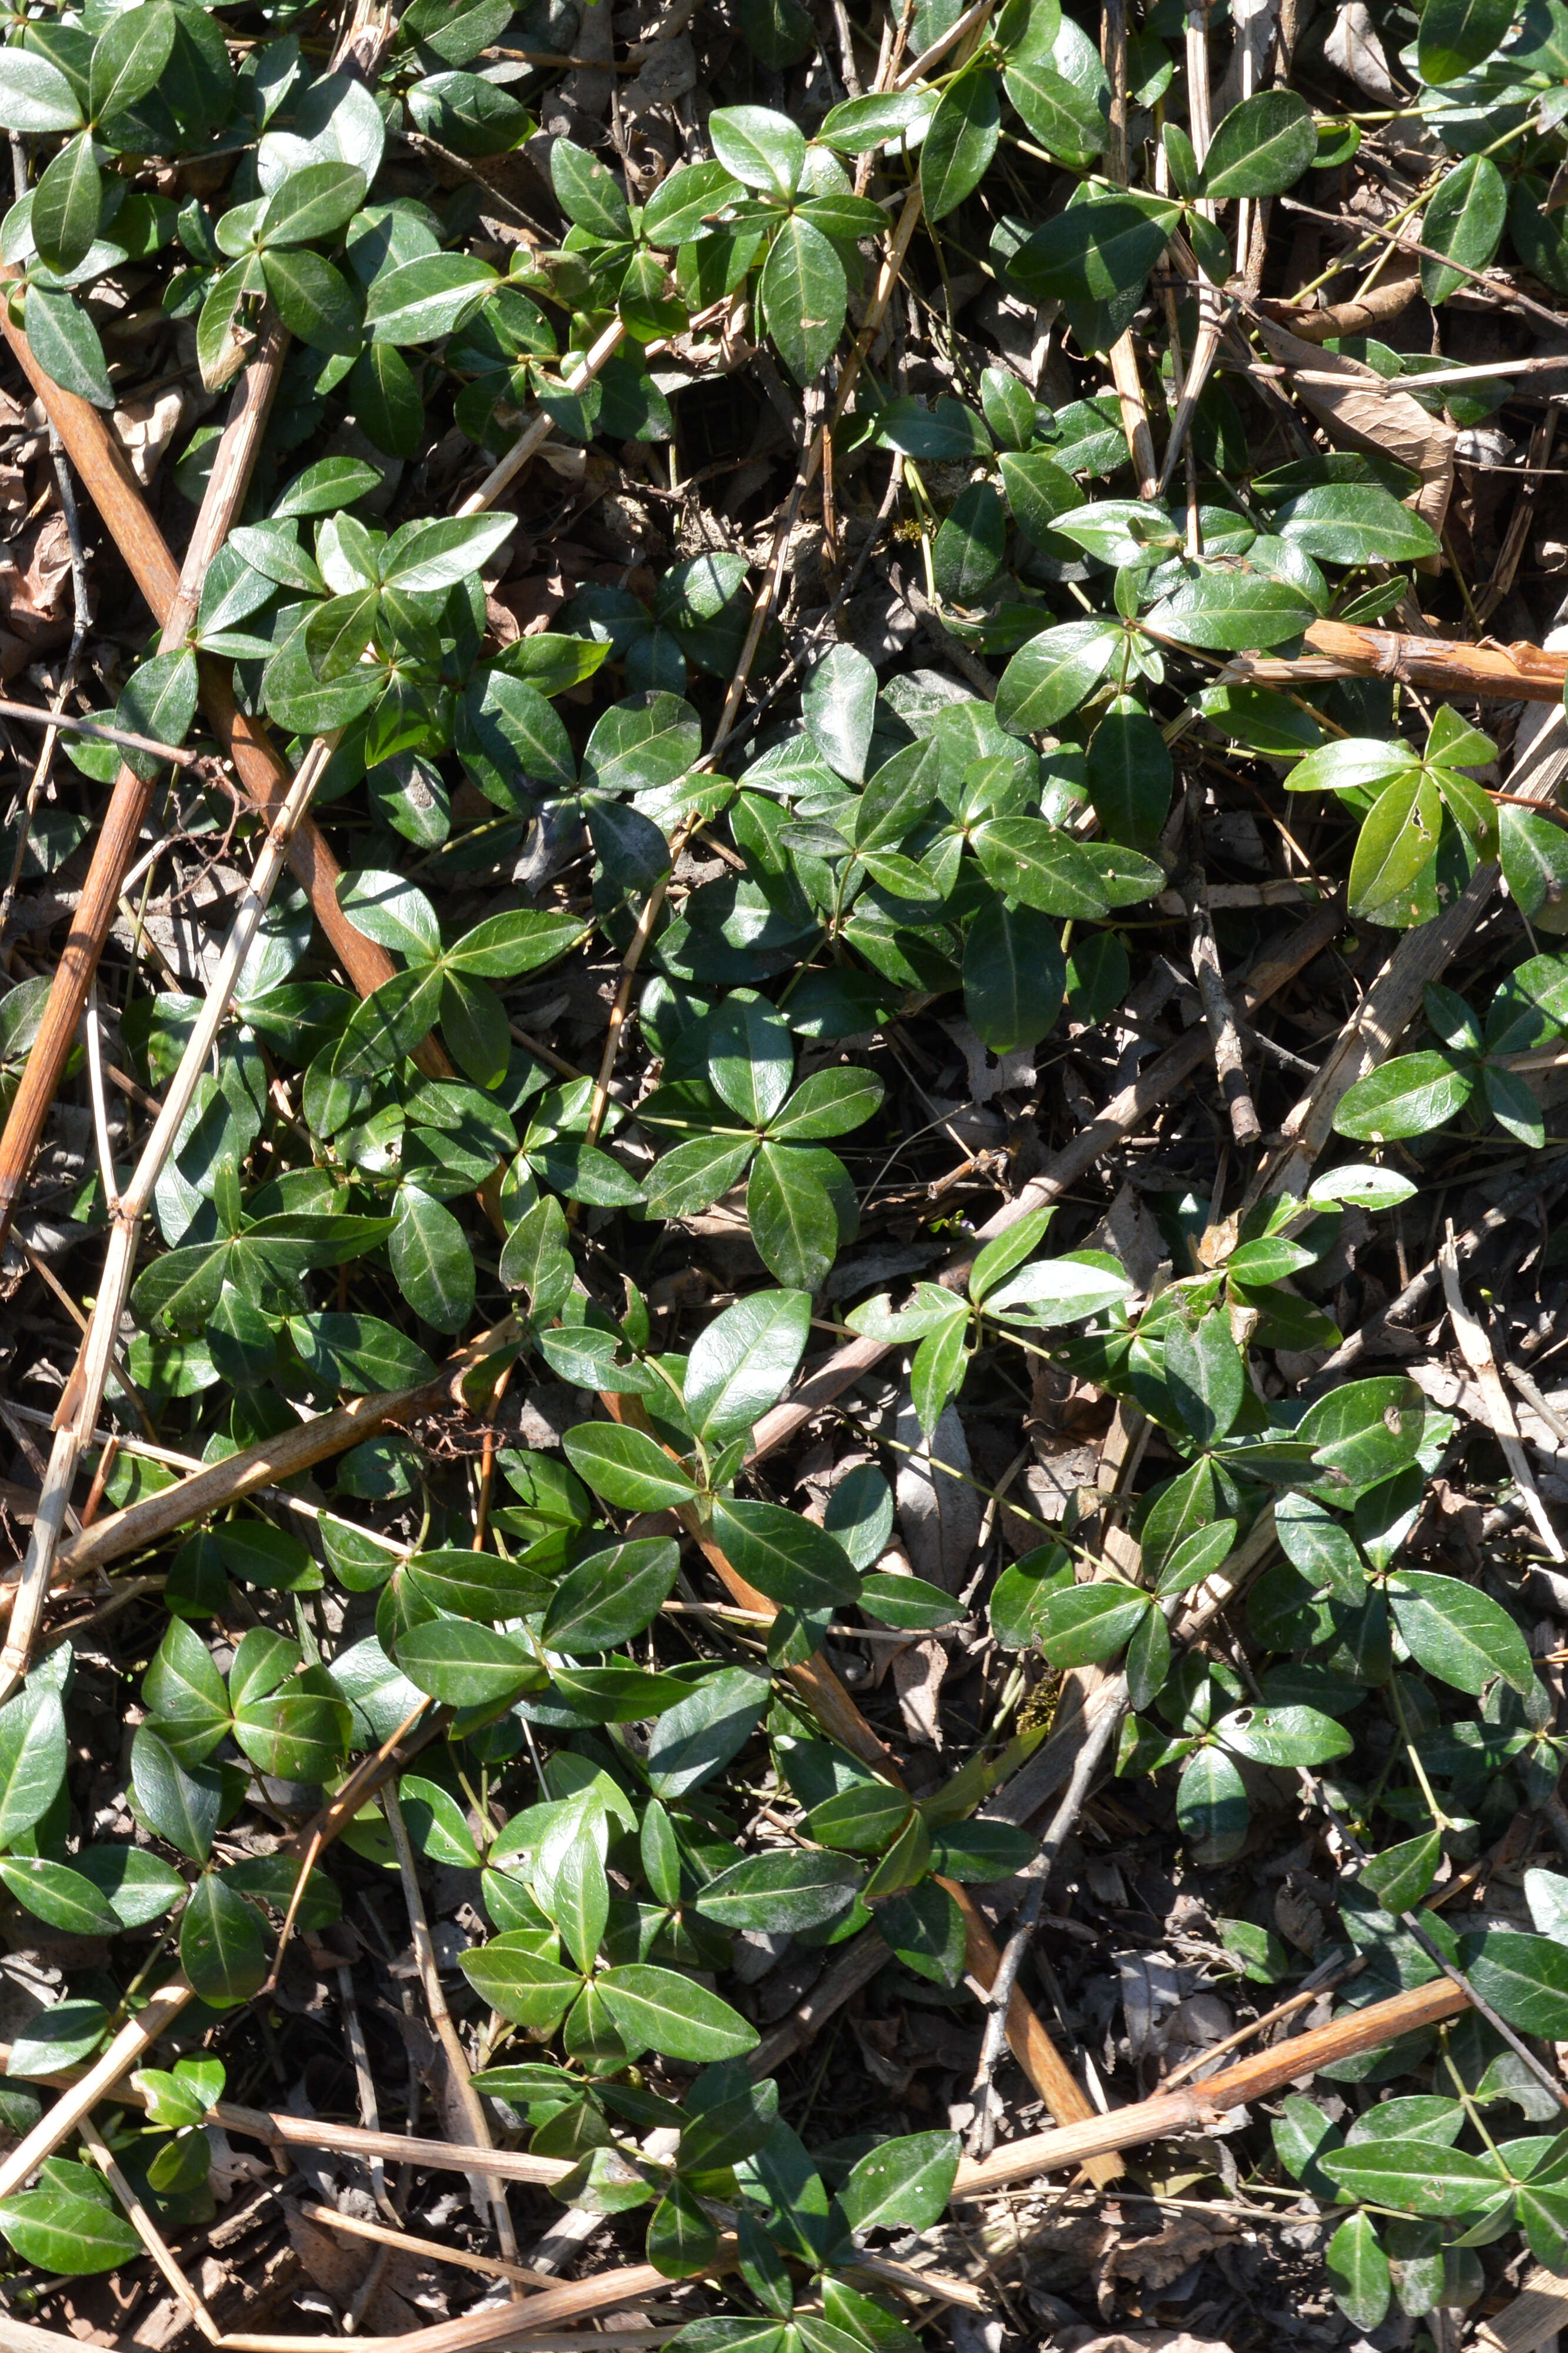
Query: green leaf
(1464, 219)
(1211, 1807)
(1283, 1736)
(1056, 1290)
(512, 1978)
(1261, 147)
(937, 1373)
(685, 199)
(1233, 612)
(1015, 975)
(611, 1597)
(1077, 1625)
(301, 1733)
(1457, 34)
(764, 148)
(1358, 2272)
(1400, 1876)
(681, 2241)
(1412, 1095)
(1052, 674)
(1099, 247)
(1034, 861)
(1321, 1546)
(1066, 117)
(588, 194)
(184, 1694)
(970, 546)
(695, 1739)
(743, 1360)
(384, 394)
(626, 1467)
(66, 2231)
(67, 205)
(436, 1823)
(790, 1560)
(35, 95)
(781, 1893)
(223, 1951)
(1129, 775)
(1356, 522)
(178, 1805)
(1205, 1374)
(1419, 2176)
(793, 1218)
(65, 343)
(1524, 1978)
(61, 1896)
(130, 59)
(903, 2185)
(313, 202)
(960, 141)
(444, 552)
(421, 300)
(432, 1260)
(803, 295)
(52, 2040)
(314, 300)
(464, 1664)
(479, 1585)
(1460, 1635)
(1366, 1430)
(137, 1887)
(32, 1758)
(660, 2010)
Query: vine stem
(79, 1407)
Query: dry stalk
(473, 2108)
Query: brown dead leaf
(918, 1673)
(35, 586)
(1369, 414)
(1153, 2263)
(338, 2266)
(146, 428)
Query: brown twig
(175, 600)
(1207, 2104)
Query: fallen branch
(175, 599)
(1203, 2107)
(1514, 673)
(269, 1462)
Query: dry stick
(535, 435)
(492, 2267)
(269, 1462)
(1211, 309)
(1123, 350)
(1520, 672)
(181, 753)
(441, 2019)
(887, 279)
(1220, 1014)
(79, 1406)
(1206, 2104)
(1476, 1351)
(1152, 1087)
(147, 2231)
(121, 824)
(135, 2037)
(364, 2078)
(988, 2108)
